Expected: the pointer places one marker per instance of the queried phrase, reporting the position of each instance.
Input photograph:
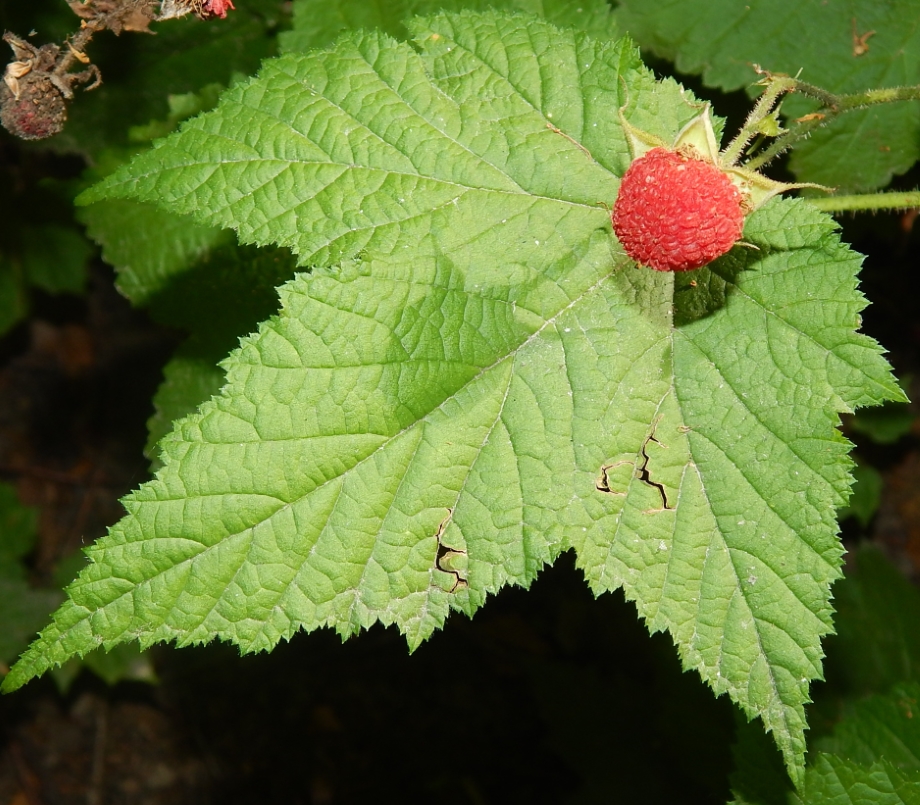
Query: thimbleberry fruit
(680, 206)
(677, 212)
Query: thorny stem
(868, 202)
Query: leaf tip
(91, 195)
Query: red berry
(675, 212)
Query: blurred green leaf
(886, 725)
(866, 494)
(12, 293)
(23, 609)
(832, 780)
(147, 246)
(188, 380)
(181, 107)
(722, 40)
(759, 777)
(17, 531)
(877, 643)
(124, 662)
(40, 245)
(872, 744)
(885, 424)
(55, 257)
(317, 23)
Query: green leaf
(17, 531)
(318, 22)
(485, 380)
(24, 609)
(832, 780)
(352, 183)
(877, 643)
(148, 247)
(866, 494)
(882, 726)
(722, 40)
(217, 298)
(55, 257)
(13, 304)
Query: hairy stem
(832, 106)
(868, 202)
(776, 87)
(76, 43)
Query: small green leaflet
(475, 379)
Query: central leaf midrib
(739, 590)
(156, 175)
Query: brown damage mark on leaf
(602, 484)
(643, 474)
(445, 554)
(860, 46)
(812, 116)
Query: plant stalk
(867, 202)
(832, 106)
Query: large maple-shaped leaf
(849, 48)
(484, 380)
